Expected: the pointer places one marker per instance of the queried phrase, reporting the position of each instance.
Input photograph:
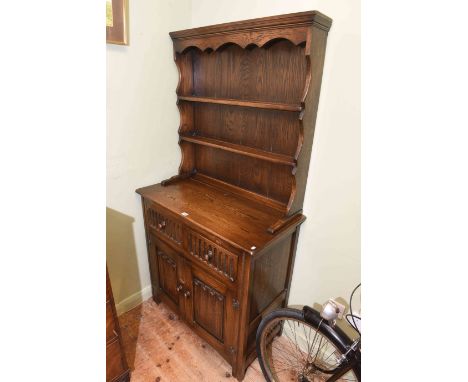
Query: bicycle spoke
(284, 354)
(322, 361)
(309, 345)
(287, 360)
(295, 343)
(283, 350)
(294, 350)
(315, 338)
(333, 352)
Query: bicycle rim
(294, 350)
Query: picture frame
(117, 22)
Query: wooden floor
(159, 347)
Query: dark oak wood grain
(241, 222)
(267, 130)
(222, 233)
(240, 149)
(276, 22)
(116, 364)
(234, 102)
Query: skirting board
(134, 300)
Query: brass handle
(179, 288)
(209, 255)
(162, 225)
(187, 294)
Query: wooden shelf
(237, 102)
(240, 149)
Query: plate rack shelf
(248, 104)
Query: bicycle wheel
(290, 348)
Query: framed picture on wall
(117, 22)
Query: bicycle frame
(349, 363)
(351, 358)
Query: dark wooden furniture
(116, 365)
(222, 233)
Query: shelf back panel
(268, 130)
(274, 73)
(269, 179)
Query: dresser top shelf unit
(247, 96)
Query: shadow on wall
(124, 276)
(122, 258)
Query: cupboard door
(185, 289)
(214, 310)
(209, 308)
(166, 272)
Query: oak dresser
(222, 233)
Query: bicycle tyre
(308, 316)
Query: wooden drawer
(214, 257)
(164, 224)
(111, 332)
(114, 362)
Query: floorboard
(161, 348)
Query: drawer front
(111, 332)
(164, 224)
(213, 256)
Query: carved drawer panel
(164, 225)
(208, 307)
(213, 255)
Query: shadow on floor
(130, 328)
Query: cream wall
(142, 120)
(142, 142)
(328, 253)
